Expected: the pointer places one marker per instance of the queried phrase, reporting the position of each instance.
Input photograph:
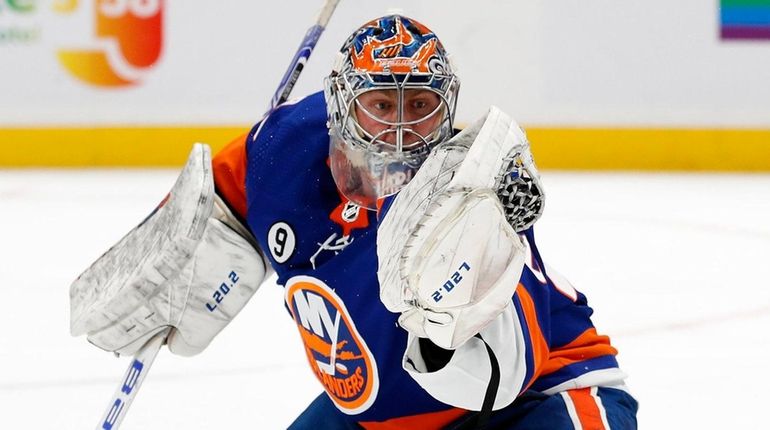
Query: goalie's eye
(383, 106)
(380, 104)
(421, 104)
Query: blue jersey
(323, 249)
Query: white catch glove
(185, 266)
(449, 260)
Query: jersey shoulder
(293, 125)
(288, 149)
(229, 168)
(291, 137)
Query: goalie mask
(391, 98)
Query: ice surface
(675, 265)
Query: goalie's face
(402, 121)
(390, 100)
(383, 140)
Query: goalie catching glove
(190, 265)
(450, 257)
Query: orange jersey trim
(540, 350)
(230, 174)
(585, 347)
(587, 409)
(429, 421)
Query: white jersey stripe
(612, 377)
(600, 405)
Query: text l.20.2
(451, 283)
(220, 293)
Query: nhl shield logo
(335, 350)
(350, 212)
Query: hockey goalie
(406, 250)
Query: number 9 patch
(281, 241)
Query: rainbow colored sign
(744, 19)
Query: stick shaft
(303, 53)
(129, 386)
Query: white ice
(676, 267)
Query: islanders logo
(337, 354)
(128, 40)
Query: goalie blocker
(190, 265)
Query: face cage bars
(345, 95)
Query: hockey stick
(303, 53)
(143, 359)
(135, 375)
